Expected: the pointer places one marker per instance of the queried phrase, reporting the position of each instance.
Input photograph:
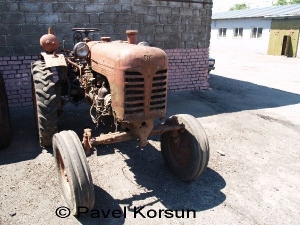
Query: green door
(284, 36)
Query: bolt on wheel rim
(64, 176)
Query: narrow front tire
(185, 152)
(73, 171)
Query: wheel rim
(64, 176)
(179, 148)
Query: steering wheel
(77, 37)
(86, 31)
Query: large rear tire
(5, 123)
(185, 152)
(44, 102)
(73, 171)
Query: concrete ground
(252, 120)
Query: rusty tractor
(125, 84)
(5, 124)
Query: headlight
(211, 62)
(81, 49)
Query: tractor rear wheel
(5, 124)
(73, 171)
(44, 102)
(185, 152)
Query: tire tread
(46, 110)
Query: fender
(53, 60)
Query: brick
(79, 7)
(65, 7)
(175, 11)
(24, 72)
(14, 62)
(64, 17)
(94, 18)
(146, 30)
(48, 19)
(112, 8)
(125, 18)
(13, 18)
(137, 9)
(161, 37)
(12, 88)
(163, 10)
(97, 7)
(27, 95)
(126, 8)
(150, 19)
(31, 18)
(163, 19)
(35, 7)
(186, 11)
(3, 7)
(12, 105)
(174, 19)
(26, 103)
(4, 29)
(151, 10)
(108, 18)
(2, 40)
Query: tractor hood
(137, 76)
(126, 57)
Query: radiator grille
(159, 90)
(134, 92)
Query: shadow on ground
(155, 180)
(106, 210)
(229, 95)
(25, 146)
(156, 184)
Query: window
(238, 32)
(222, 32)
(256, 32)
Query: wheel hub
(179, 147)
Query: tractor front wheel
(185, 152)
(73, 171)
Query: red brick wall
(16, 74)
(187, 71)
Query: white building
(260, 30)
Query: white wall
(246, 43)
